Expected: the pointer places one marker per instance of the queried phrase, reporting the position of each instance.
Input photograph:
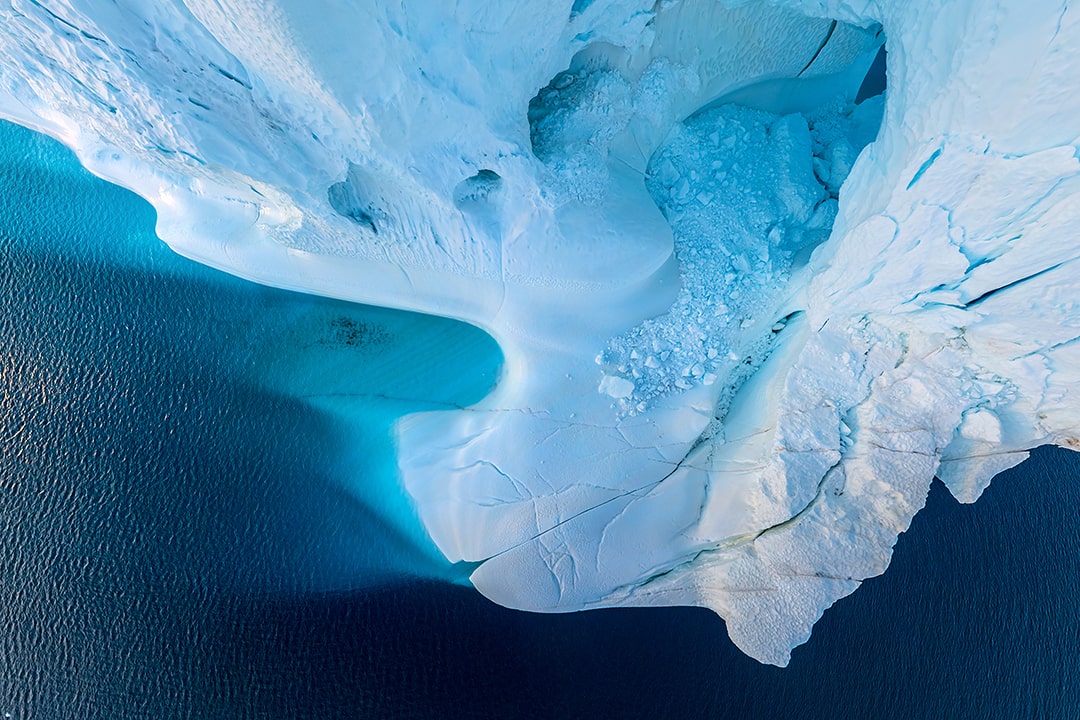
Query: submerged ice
(748, 308)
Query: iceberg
(749, 306)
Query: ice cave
(759, 270)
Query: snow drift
(747, 312)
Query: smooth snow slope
(701, 404)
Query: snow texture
(746, 320)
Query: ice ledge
(937, 328)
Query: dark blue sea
(200, 518)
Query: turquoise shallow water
(199, 519)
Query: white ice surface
(381, 153)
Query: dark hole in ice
(346, 200)
(579, 7)
(477, 188)
(874, 83)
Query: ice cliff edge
(736, 355)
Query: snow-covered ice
(747, 313)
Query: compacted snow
(747, 312)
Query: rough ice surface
(764, 194)
(746, 319)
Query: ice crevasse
(748, 311)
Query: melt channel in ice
(747, 313)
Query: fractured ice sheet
(546, 170)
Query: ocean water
(199, 518)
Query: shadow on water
(976, 618)
(199, 520)
(171, 437)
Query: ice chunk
(617, 387)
